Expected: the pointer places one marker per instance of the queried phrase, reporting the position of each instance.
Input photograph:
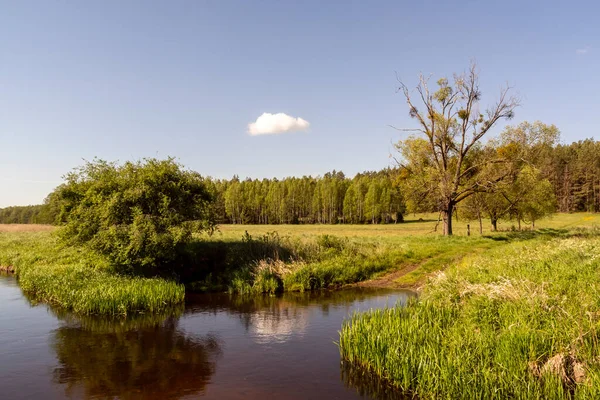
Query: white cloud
(268, 124)
(583, 50)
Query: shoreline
(8, 269)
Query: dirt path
(389, 280)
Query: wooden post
(468, 230)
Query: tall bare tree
(445, 161)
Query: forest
(572, 170)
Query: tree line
(33, 214)
(369, 197)
(560, 177)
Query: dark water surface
(217, 347)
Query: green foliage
(573, 173)
(537, 196)
(447, 162)
(36, 214)
(519, 322)
(329, 199)
(138, 214)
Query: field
(520, 321)
(405, 253)
(25, 228)
(259, 259)
(417, 224)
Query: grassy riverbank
(80, 281)
(521, 321)
(253, 259)
(308, 257)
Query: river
(216, 347)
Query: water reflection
(369, 385)
(218, 346)
(141, 358)
(277, 318)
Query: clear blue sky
(123, 80)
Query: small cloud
(583, 50)
(269, 124)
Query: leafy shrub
(139, 214)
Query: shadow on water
(369, 385)
(139, 358)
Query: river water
(216, 347)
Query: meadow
(394, 255)
(519, 321)
(252, 259)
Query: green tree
(537, 199)
(448, 157)
(139, 214)
(373, 202)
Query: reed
(518, 322)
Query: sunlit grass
(520, 321)
(296, 258)
(80, 281)
(25, 228)
(416, 224)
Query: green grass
(326, 256)
(255, 259)
(411, 227)
(272, 262)
(519, 321)
(80, 281)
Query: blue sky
(123, 80)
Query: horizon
(267, 90)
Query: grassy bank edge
(518, 322)
(79, 281)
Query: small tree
(139, 214)
(537, 200)
(446, 160)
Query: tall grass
(330, 261)
(519, 322)
(80, 281)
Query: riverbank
(272, 263)
(79, 281)
(520, 321)
(253, 260)
(7, 269)
(85, 283)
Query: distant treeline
(38, 214)
(574, 171)
(370, 197)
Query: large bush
(138, 214)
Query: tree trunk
(480, 224)
(495, 224)
(447, 218)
